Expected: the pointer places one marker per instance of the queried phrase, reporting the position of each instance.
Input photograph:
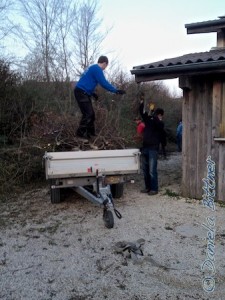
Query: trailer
(98, 175)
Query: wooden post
(221, 38)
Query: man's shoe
(152, 193)
(83, 140)
(75, 149)
(93, 147)
(145, 191)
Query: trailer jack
(108, 212)
(102, 196)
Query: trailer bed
(86, 163)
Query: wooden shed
(202, 79)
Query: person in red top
(139, 129)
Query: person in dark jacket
(85, 89)
(154, 129)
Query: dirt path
(64, 251)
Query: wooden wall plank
(204, 138)
(192, 147)
(216, 119)
(185, 186)
(221, 153)
(221, 173)
(189, 142)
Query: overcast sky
(145, 31)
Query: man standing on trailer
(83, 92)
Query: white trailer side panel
(86, 163)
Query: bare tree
(66, 18)
(5, 26)
(64, 37)
(33, 67)
(40, 31)
(87, 35)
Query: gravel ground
(64, 251)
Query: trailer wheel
(108, 218)
(55, 194)
(117, 190)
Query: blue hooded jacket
(91, 77)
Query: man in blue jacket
(83, 92)
(153, 131)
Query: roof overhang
(170, 72)
(206, 26)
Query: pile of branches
(22, 162)
(53, 132)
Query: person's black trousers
(86, 127)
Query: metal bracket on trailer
(89, 196)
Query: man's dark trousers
(86, 127)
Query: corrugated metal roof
(210, 56)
